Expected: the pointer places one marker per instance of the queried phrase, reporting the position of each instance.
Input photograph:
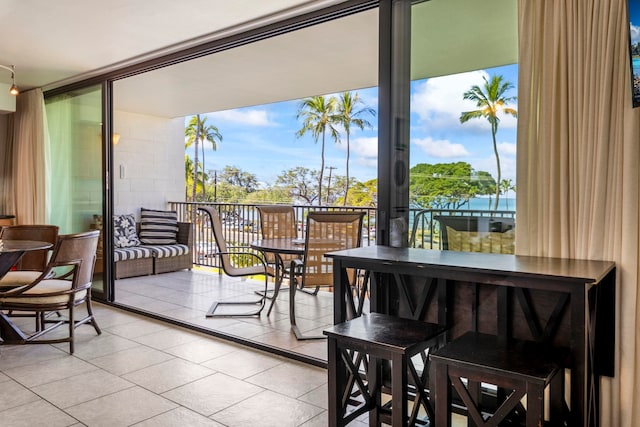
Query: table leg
(9, 331)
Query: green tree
(349, 113)
(189, 174)
(199, 132)
(491, 100)
(299, 183)
(318, 116)
(447, 185)
(506, 185)
(364, 194)
(235, 176)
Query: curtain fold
(578, 160)
(29, 159)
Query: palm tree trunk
(321, 173)
(204, 188)
(346, 186)
(495, 151)
(195, 161)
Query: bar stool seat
(525, 368)
(356, 351)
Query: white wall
(148, 162)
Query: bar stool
(525, 367)
(367, 341)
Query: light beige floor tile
(13, 394)
(123, 408)
(168, 375)
(201, 350)
(243, 363)
(291, 379)
(49, 371)
(280, 339)
(130, 360)
(321, 420)
(101, 345)
(212, 394)
(267, 409)
(81, 388)
(39, 413)
(21, 355)
(314, 348)
(138, 328)
(3, 377)
(179, 417)
(168, 338)
(318, 397)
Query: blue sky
(261, 139)
(634, 20)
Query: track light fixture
(13, 90)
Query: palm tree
(199, 132)
(189, 173)
(490, 100)
(506, 185)
(319, 115)
(349, 114)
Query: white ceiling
(52, 41)
(57, 42)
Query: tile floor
(144, 372)
(187, 295)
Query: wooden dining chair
(326, 232)
(256, 267)
(277, 222)
(73, 260)
(32, 263)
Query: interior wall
(148, 162)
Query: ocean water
(504, 204)
(635, 63)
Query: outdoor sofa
(152, 257)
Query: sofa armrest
(185, 236)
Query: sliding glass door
(76, 173)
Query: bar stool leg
(442, 394)
(399, 382)
(374, 376)
(334, 367)
(535, 404)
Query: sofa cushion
(124, 231)
(124, 254)
(167, 251)
(158, 227)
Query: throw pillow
(158, 227)
(124, 231)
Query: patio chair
(73, 260)
(477, 234)
(255, 268)
(277, 222)
(326, 232)
(32, 263)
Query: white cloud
(441, 149)
(507, 148)
(366, 147)
(243, 116)
(438, 101)
(634, 32)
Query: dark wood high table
(10, 253)
(568, 303)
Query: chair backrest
(328, 232)
(32, 260)
(221, 243)
(277, 222)
(74, 247)
(476, 234)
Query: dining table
(10, 253)
(278, 247)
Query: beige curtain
(29, 159)
(578, 160)
(7, 205)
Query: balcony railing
(241, 224)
